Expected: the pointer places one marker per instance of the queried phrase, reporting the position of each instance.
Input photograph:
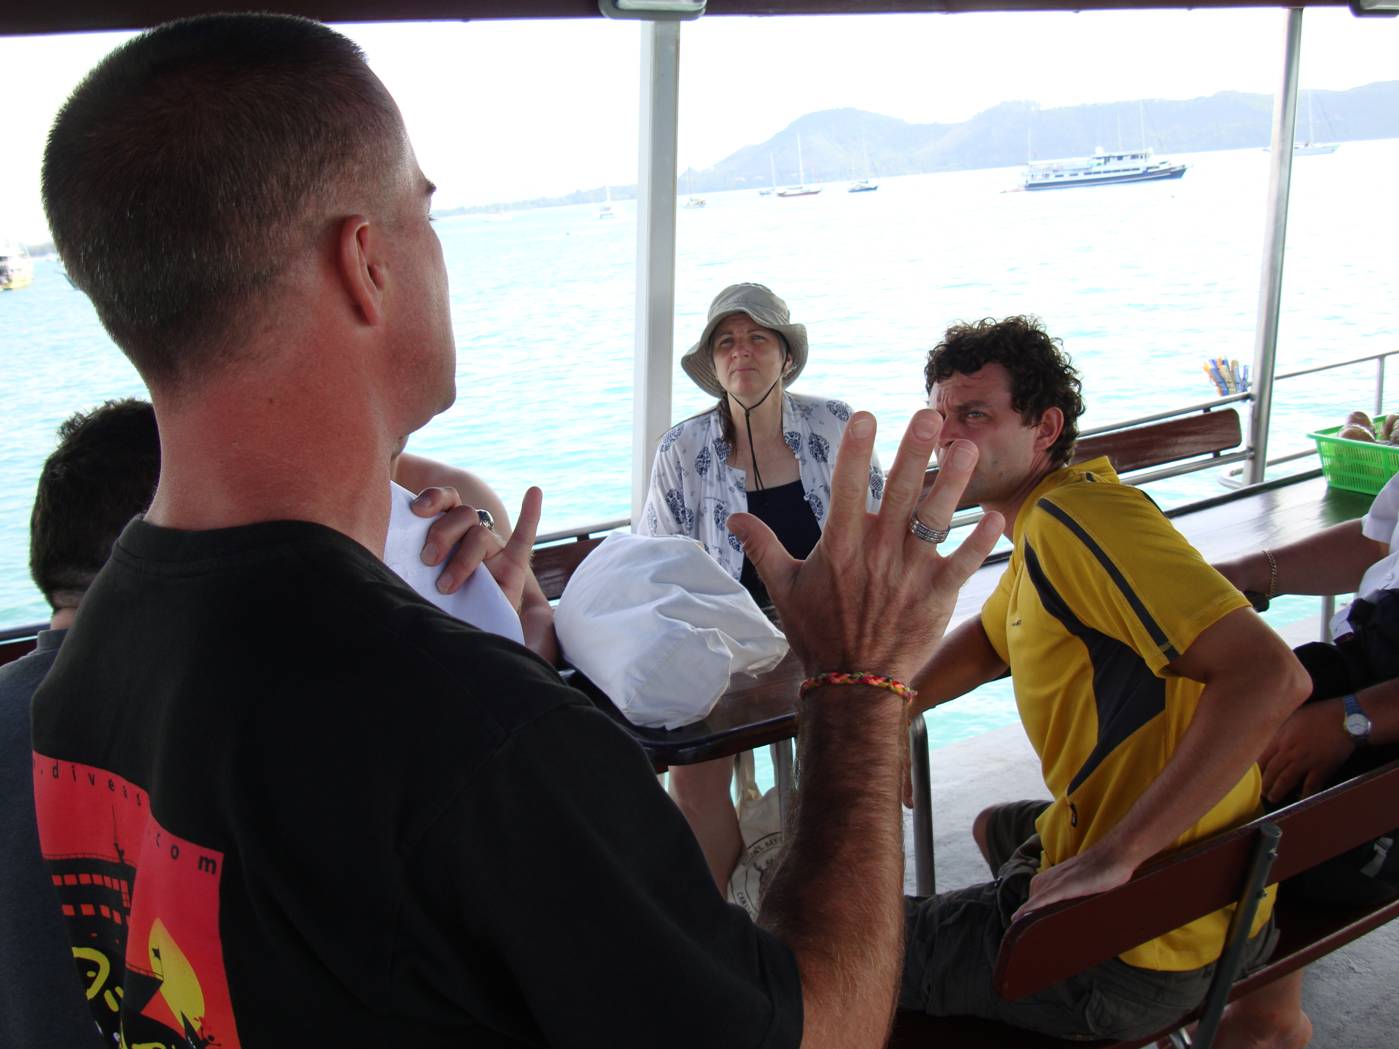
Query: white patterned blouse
(693, 489)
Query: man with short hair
(287, 800)
(1145, 682)
(100, 476)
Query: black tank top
(785, 510)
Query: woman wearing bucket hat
(762, 450)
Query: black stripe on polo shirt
(1153, 629)
(1125, 691)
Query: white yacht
(1101, 169)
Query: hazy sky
(507, 110)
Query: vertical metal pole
(655, 248)
(1379, 386)
(1274, 241)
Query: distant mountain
(838, 144)
(835, 142)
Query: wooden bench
(1185, 437)
(1042, 948)
(554, 564)
(1207, 433)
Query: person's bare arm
(1329, 562)
(1312, 744)
(836, 900)
(963, 660)
(1252, 683)
(437, 481)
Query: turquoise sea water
(1142, 283)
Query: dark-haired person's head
(102, 474)
(1007, 387)
(1040, 374)
(198, 165)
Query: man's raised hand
(873, 596)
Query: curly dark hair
(1040, 373)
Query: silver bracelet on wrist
(1272, 574)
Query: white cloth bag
(660, 627)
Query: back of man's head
(102, 474)
(197, 162)
(1041, 375)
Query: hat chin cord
(748, 425)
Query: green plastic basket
(1356, 466)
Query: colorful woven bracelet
(840, 677)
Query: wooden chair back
(1140, 447)
(1044, 947)
(554, 564)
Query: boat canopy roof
(63, 16)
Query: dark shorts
(952, 940)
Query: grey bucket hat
(766, 309)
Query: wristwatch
(1356, 723)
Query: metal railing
(1234, 478)
(22, 633)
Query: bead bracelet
(839, 677)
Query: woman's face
(748, 358)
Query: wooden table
(1266, 515)
(759, 711)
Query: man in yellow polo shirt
(1146, 683)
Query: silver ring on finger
(484, 516)
(925, 533)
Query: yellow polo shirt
(1101, 593)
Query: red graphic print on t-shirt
(142, 907)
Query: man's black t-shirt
(286, 801)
